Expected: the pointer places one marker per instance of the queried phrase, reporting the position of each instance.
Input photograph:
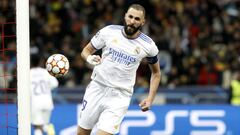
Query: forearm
(154, 83)
(85, 53)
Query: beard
(130, 29)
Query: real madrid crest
(115, 41)
(137, 50)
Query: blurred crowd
(198, 40)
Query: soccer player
(108, 95)
(41, 97)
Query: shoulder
(44, 70)
(149, 44)
(39, 70)
(111, 28)
(146, 38)
(114, 27)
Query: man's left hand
(145, 105)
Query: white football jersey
(41, 85)
(121, 56)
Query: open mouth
(130, 27)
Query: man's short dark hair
(138, 7)
(35, 60)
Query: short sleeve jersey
(121, 56)
(41, 85)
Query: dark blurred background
(198, 40)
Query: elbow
(82, 55)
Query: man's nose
(132, 21)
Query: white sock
(38, 132)
(45, 128)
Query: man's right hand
(94, 59)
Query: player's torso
(120, 59)
(40, 85)
(122, 51)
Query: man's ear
(125, 15)
(143, 22)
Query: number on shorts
(84, 103)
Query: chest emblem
(137, 50)
(115, 41)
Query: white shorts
(103, 106)
(40, 117)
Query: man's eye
(137, 18)
(130, 16)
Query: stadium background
(199, 43)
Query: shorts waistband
(124, 91)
